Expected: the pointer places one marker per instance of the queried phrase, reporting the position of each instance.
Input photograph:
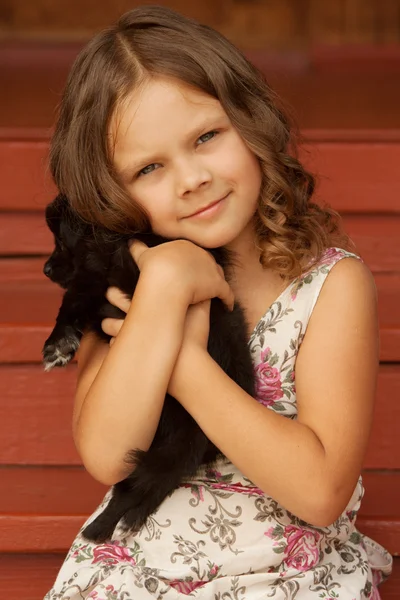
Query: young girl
(165, 125)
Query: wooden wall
(353, 143)
(280, 24)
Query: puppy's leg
(72, 318)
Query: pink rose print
(302, 550)
(112, 554)
(214, 570)
(268, 381)
(270, 533)
(329, 256)
(186, 587)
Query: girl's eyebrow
(210, 123)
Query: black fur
(86, 261)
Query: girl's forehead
(160, 105)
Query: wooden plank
(335, 93)
(41, 533)
(26, 184)
(342, 169)
(24, 326)
(22, 342)
(47, 490)
(36, 408)
(36, 412)
(42, 490)
(376, 238)
(29, 577)
(385, 531)
(24, 234)
(356, 177)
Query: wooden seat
(45, 495)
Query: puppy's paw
(59, 351)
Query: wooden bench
(45, 494)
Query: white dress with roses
(219, 537)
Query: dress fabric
(219, 537)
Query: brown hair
(151, 41)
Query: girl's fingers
(136, 249)
(227, 296)
(111, 326)
(118, 298)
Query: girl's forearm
(122, 408)
(284, 458)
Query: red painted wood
(333, 94)
(360, 177)
(29, 303)
(342, 169)
(23, 169)
(48, 490)
(376, 238)
(41, 533)
(29, 577)
(22, 270)
(24, 233)
(385, 531)
(36, 410)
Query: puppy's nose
(47, 269)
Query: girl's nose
(192, 175)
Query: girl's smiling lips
(209, 210)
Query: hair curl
(292, 231)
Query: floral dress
(219, 537)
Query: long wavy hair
(292, 231)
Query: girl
(165, 125)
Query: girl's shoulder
(329, 258)
(335, 276)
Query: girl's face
(178, 155)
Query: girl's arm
(311, 465)
(121, 390)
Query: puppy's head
(67, 230)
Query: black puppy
(86, 261)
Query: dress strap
(307, 287)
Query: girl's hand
(191, 269)
(195, 336)
(112, 326)
(196, 328)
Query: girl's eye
(208, 136)
(204, 138)
(147, 170)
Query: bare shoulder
(349, 280)
(345, 313)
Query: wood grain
(36, 408)
(341, 168)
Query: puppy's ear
(54, 213)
